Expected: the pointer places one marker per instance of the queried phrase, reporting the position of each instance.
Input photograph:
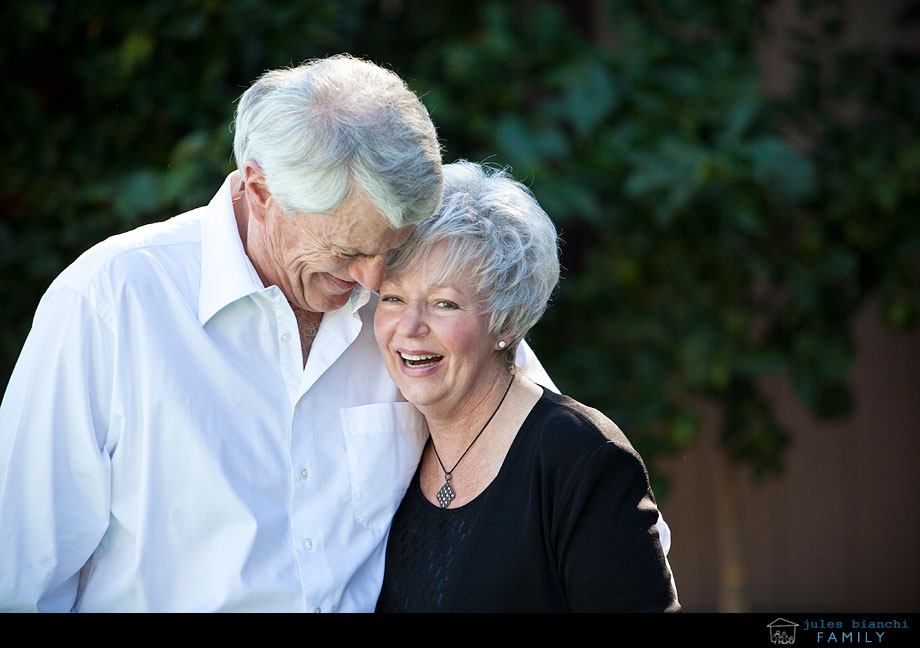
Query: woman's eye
(390, 299)
(448, 305)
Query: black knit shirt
(568, 524)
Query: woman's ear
(505, 339)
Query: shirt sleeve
(54, 463)
(529, 366)
(610, 557)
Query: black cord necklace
(446, 495)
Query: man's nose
(368, 271)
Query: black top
(568, 524)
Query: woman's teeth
(420, 360)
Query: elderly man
(199, 419)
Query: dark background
(736, 185)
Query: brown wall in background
(839, 530)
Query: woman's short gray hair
(500, 238)
(324, 128)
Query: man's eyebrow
(347, 251)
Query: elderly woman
(524, 500)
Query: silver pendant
(446, 494)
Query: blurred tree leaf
(713, 238)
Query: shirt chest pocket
(384, 442)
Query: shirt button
(308, 544)
(317, 610)
(304, 473)
(285, 337)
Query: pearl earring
(502, 344)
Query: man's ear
(258, 196)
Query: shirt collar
(227, 274)
(359, 297)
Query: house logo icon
(782, 631)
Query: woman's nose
(412, 321)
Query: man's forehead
(364, 233)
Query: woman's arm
(609, 555)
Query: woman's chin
(422, 398)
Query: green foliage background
(712, 237)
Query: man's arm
(54, 466)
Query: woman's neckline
(533, 394)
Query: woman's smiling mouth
(419, 360)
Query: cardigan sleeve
(608, 554)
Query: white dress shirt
(163, 448)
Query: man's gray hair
(329, 126)
(498, 236)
